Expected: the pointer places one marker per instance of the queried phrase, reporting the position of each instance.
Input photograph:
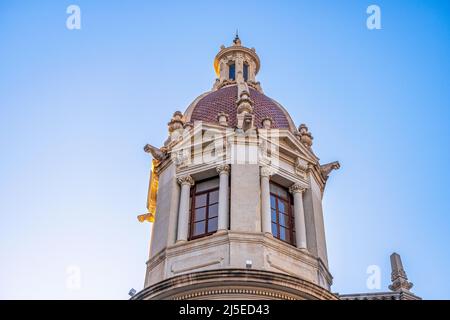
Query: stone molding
(240, 283)
(228, 238)
(175, 269)
(285, 153)
(234, 292)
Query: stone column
(299, 215)
(224, 171)
(183, 212)
(223, 70)
(265, 173)
(239, 65)
(252, 71)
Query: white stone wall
(165, 226)
(315, 230)
(245, 213)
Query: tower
(238, 195)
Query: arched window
(281, 204)
(232, 71)
(245, 71)
(204, 208)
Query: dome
(208, 106)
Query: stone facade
(239, 200)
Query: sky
(77, 107)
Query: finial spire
(236, 40)
(398, 276)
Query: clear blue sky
(76, 108)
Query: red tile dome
(224, 100)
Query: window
(281, 205)
(245, 71)
(232, 71)
(204, 208)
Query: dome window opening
(232, 72)
(245, 72)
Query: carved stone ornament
(266, 172)
(244, 103)
(188, 126)
(158, 154)
(177, 122)
(255, 85)
(263, 152)
(222, 118)
(180, 157)
(186, 180)
(301, 167)
(223, 169)
(398, 275)
(326, 169)
(267, 122)
(305, 136)
(297, 188)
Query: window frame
(192, 220)
(290, 214)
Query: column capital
(266, 171)
(297, 188)
(223, 169)
(186, 180)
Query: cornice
(227, 237)
(211, 282)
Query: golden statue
(152, 195)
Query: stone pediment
(291, 145)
